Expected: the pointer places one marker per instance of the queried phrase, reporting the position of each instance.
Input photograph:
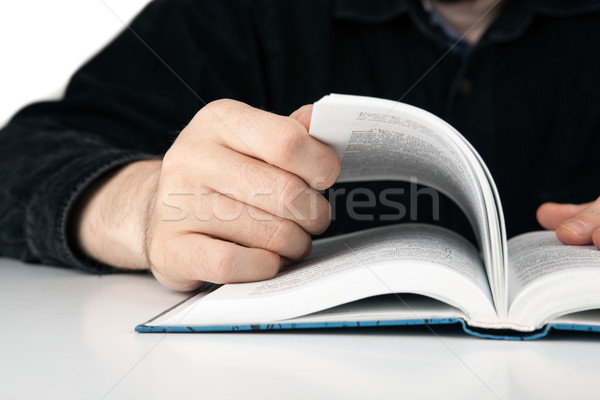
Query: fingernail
(577, 227)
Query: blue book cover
(398, 310)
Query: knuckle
(305, 248)
(334, 167)
(592, 211)
(281, 236)
(290, 187)
(201, 118)
(211, 116)
(274, 267)
(287, 143)
(252, 172)
(220, 268)
(214, 108)
(591, 215)
(170, 158)
(320, 216)
(177, 158)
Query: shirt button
(465, 87)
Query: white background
(42, 42)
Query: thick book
(410, 273)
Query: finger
(578, 229)
(303, 115)
(277, 140)
(220, 216)
(194, 258)
(551, 215)
(260, 185)
(596, 238)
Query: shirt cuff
(47, 214)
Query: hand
(234, 196)
(574, 223)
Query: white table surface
(70, 335)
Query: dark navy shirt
(526, 95)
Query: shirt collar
(514, 19)
(379, 11)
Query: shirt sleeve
(127, 103)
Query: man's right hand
(235, 195)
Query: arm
(97, 153)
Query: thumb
(303, 115)
(574, 224)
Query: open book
(411, 273)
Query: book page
(548, 278)
(404, 258)
(384, 308)
(586, 318)
(379, 140)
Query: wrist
(110, 220)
